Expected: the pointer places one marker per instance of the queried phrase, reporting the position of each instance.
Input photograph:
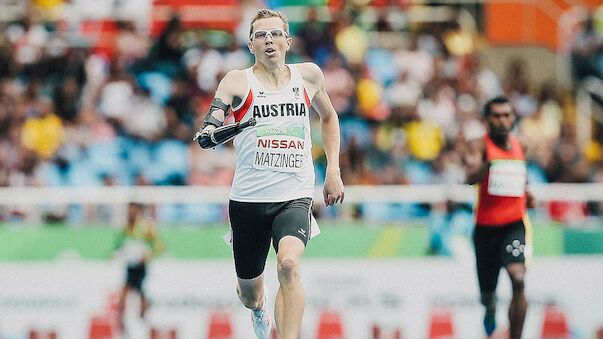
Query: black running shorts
(255, 224)
(135, 276)
(497, 247)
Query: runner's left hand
(333, 190)
(530, 200)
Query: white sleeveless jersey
(274, 158)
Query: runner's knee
(250, 299)
(288, 268)
(517, 281)
(517, 273)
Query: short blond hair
(268, 13)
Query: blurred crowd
(75, 114)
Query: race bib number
(280, 149)
(507, 178)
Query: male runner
(272, 190)
(138, 243)
(497, 164)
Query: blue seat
(158, 83)
(51, 174)
(418, 172)
(169, 162)
(106, 157)
(83, 173)
(382, 65)
(355, 128)
(138, 156)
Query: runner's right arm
(476, 164)
(229, 92)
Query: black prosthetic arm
(222, 134)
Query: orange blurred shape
(100, 328)
(329, 326)
(440, 326)
(220, 326)
(554, 325)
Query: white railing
(203, 194)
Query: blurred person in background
(516, 86)
(587, 51)
(340, 85)
(271, 199)
(314, 37)
(138, 242)
(43, 130)
(497, 163)
(543, 128)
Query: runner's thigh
(251, 235)
(513, 246)
(292, 219)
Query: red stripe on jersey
(307, 98)
(240, 113)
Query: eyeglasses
(263, 34)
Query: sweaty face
(501, 119)
(268, 40)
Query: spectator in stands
(209, 68)
(439, 109)
(132, 46)
(369, 93)
(314, 38)
(29, 37)
(67, 100)
(516, 86)
(425, 139)
(587, 51)
(567, 163)
(416, 62)
(167, 47)
(116, 96)
(42, 130)
(459, 36)
(477, 80)
(11, 151)
(351, 40)
(144, 119)
(235, 58)
(405, 92)
(542, 129)
(340, 85)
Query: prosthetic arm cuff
(216, 104)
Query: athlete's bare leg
(519, 304)
(290, 296)
(144, 304)
(121, 305)
(279, 310)
(251, 292)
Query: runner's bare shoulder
(313, 77)
(234, 83)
